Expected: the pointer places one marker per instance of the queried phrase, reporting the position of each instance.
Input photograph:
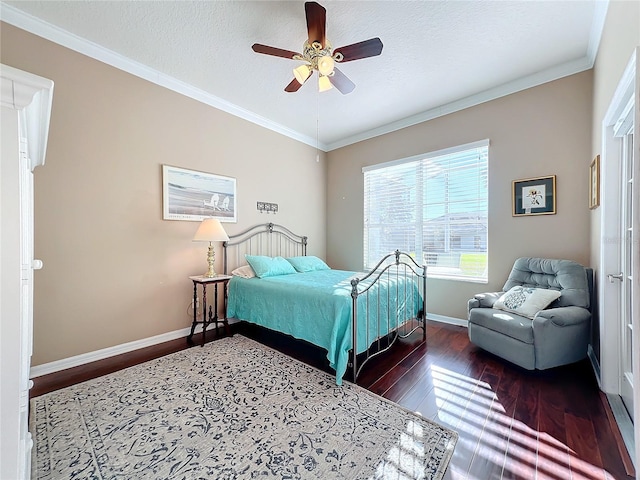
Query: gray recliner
(555, 336)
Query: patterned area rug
(232, 409)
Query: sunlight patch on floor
(405, 460)
(472, 408)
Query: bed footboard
(388, 303)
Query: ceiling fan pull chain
(318, 126)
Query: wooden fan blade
(316, 22)
(356, 51)
(294, 86)
(276, 52)
(341, 82)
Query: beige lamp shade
(210, 230)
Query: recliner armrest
(485, 300)
(563, 316)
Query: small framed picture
(534, 196)
(594, 183)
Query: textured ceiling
(438, 56)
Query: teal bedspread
(316, 307)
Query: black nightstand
(211, 316)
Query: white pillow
(526, 301)
(245, 272)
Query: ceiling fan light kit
(325, 65)
(319, 55)
(302, 73)
(324, 83)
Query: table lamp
(210, 230)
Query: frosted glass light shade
(325, 65)
(302, 73)
(324, 84)
(210, 230)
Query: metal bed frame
(275, 240)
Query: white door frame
(25, 101)
(608, 293)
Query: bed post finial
(397, 257)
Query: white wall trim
(595, 365)
(34, 25)
(539, 78)
(597, 27)
(32, 95)
(518, 85)
(57, 35)
(609, 194)
(82, 359)
(77, 360)
(444, 319)
(625, 425)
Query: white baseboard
(591, 354)
(77, 360)
(625, 424)
(450, 320)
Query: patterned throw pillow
(245, 272)
(526, 301)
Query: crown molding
(518, 85)
(57, 35)
(585, 63)
(36, 26)
(600, 9)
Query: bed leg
(354, 326)
(424, 327)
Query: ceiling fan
(318, 54)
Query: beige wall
(541, 131)
(114, 270)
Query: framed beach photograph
(594, 183)
(534, 196)
(194, 196)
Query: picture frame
(534, 196)
(193, 195)
(594, 183)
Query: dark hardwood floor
(512, 423)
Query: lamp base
(210, 260)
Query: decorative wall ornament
(267, 207)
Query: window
(433, 206)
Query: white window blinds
(433, 206)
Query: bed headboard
(265, 239)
